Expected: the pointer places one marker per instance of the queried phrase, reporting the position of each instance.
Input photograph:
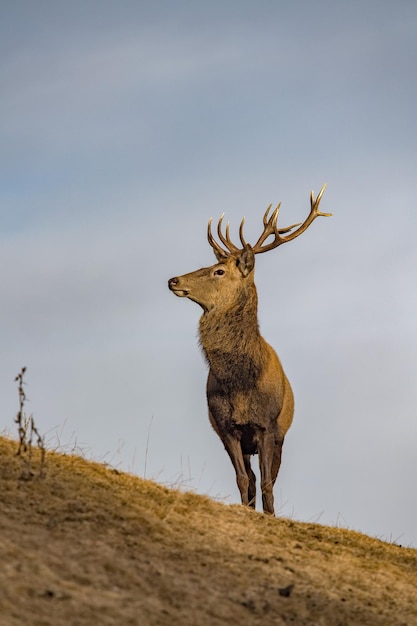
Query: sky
(125, 126)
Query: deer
(250, 400)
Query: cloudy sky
(124, 126)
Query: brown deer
(250, 400)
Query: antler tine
(242, 239)
(227, 241)
(265, 218)
(212, 241)
(219, 230)
(274, 217)
(287, 229)
(270, 228)
(315, 203)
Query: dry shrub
(27, 431)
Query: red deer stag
(250, 400)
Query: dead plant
(27, 430)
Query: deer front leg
(252, 481)
(266, 445)
(234, 450)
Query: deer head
(220, 285)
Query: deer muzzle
(174, 286)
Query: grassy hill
(88, 545)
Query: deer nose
(173, 282)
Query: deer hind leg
(276, 460)
(234, 450)
(252, 481)
(266, 446)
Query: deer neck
(232, 343)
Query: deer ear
(246, 260)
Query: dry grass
(86, 545)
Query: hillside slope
(88, 545)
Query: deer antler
(270, 225)
(270, 228)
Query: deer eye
(219, 272)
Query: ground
(83, 545)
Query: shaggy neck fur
(232, 343)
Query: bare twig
(27, 430)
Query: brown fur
(250, 400)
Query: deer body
(250, 400)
